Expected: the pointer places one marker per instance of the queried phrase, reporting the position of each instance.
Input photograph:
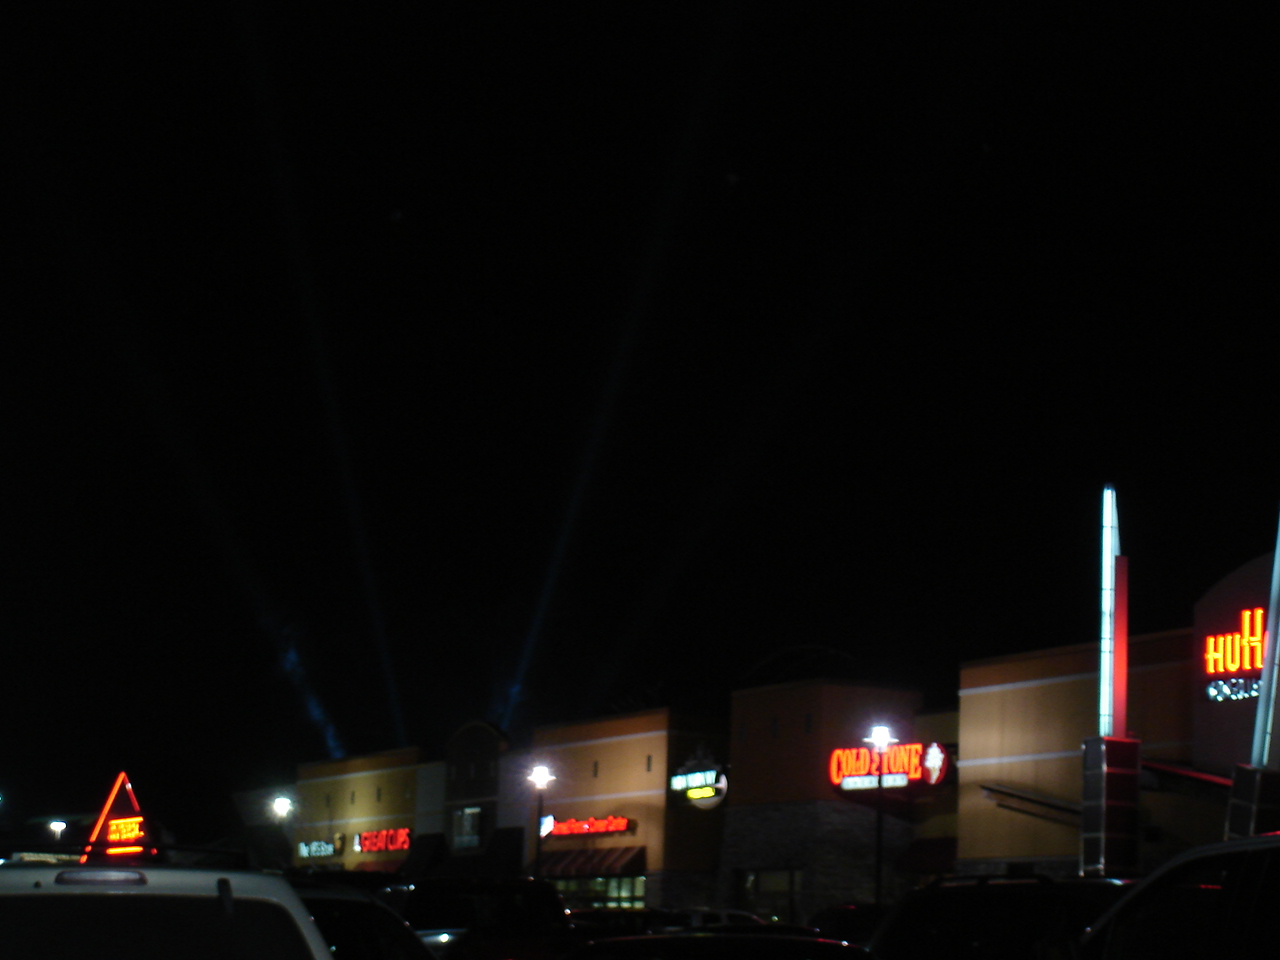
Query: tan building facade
(611, 833)
(362, 813)
(1024, 717)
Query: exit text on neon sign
(1226, 653)
(570, 827)
(125, 828)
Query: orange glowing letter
(913, 765)
(1213, 654)
(1251, 628)
(1232, 641)
(863, 765)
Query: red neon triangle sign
(120, 828)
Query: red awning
(598, 862)
(375, 866)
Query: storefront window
(466, 828)
(770, 893)
(625, 893)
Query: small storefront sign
(572, 827)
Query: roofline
(1072, 648)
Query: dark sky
(705, 345)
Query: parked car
(151, 912)
(1211, 901)
(597, 923)
(694, 918)
(356, 924)
(991, 918)
(851, 922)
(766, 929)
(519, 919)
(716, 946)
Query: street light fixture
(880, 739)
(540, 776)
(282, 807)
(56, 827)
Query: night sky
(358, 364)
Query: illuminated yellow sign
(126, 828)
(697, 793)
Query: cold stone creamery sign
(1229, 655)
(861, 768)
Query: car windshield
(81, 926)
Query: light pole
(880, 738)
(540, 776)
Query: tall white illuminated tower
(1111, 760)
(1113, 665)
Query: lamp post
(880, 738)
(540, 776)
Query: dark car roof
(1268, 841)
(993, 917)
(715, 946)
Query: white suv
(73, 912)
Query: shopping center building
(364, 813)
(767, 809)
(1192, 700)
(613, 831)
(806, 808)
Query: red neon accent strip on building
(115, 851)
(570, 827)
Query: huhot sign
(1233, 660)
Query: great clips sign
(862, 768)
(379, 841)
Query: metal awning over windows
(598, 862)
